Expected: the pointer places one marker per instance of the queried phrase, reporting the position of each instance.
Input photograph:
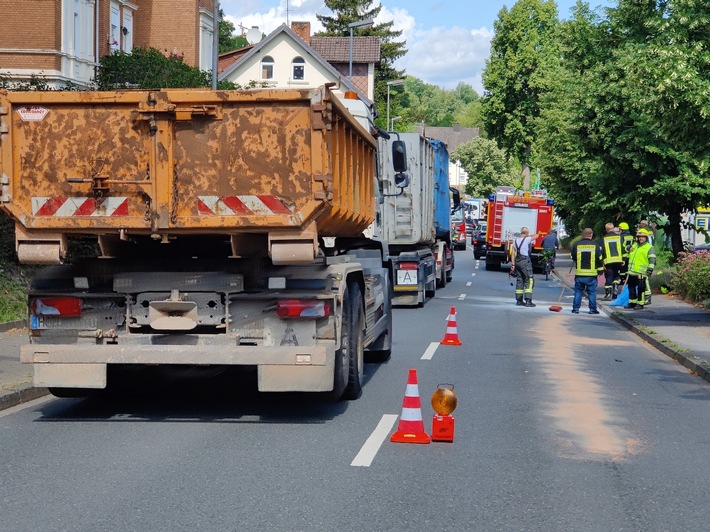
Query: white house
(284, 59)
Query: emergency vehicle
(509, 210)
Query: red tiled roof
(337, 49)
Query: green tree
(228, 41)
(513, 78)
(148, 68)
(487, 167)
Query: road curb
(23, 395)
(683, 358)
(10, 325)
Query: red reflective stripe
(237, 205)
(274, 204)
(50, 206)
(408, 266)
(122, 209)
(202, 208)
(87, 208)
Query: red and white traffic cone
(452, 336)
(411, 425)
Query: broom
(557, 307)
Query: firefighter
(522, 268)
(642, 260)
(587, 257)
(613, 260)
(627, 240)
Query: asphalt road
(563, 423)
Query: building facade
(62, 41)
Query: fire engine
(509, 210)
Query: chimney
(303, 30)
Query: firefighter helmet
(624, 226)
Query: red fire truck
(509, 210)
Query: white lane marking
(429, 353)
(462, 297)
(473, 274)
(24, 406)
(369, 449)
(469, 283)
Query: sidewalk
(674, 327)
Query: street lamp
(389, 84)
(394, 119)
(357, 24)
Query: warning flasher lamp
(444, 402)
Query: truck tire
(441, 283)
(381, 349)
(350, 357)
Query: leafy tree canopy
(513, 80)
(228, 41)
(487, 167)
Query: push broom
(557, 307)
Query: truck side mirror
(401, 180)
(456, 198)
(399, 156)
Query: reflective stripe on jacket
(642, 258)
(627, 240)
(587, 257)
(612, 248)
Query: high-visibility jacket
(612, 248)
(587, 257)
(642, 259)
(627, 240)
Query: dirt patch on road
(588, 428)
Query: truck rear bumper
(283, 368)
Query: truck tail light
(302, 308)
(408, 266)
(56, 306)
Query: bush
(148, 68)
(692, 276)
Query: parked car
(478, 241)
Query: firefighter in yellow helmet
(627, 240)
(642, 260)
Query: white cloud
(442, 56)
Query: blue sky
(448, 41)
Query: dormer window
(298, 69)
(267, 67)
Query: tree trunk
(674, 221)
(526, 168)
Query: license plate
(407, 277)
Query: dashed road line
(369, 449)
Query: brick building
(62, 40)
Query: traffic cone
(411, 425)
(452, 336)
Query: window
(114, 39)
(267, 67)
(79, 56)
(298, 67)
(127, 30)
(206, 39)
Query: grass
(13, 297)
